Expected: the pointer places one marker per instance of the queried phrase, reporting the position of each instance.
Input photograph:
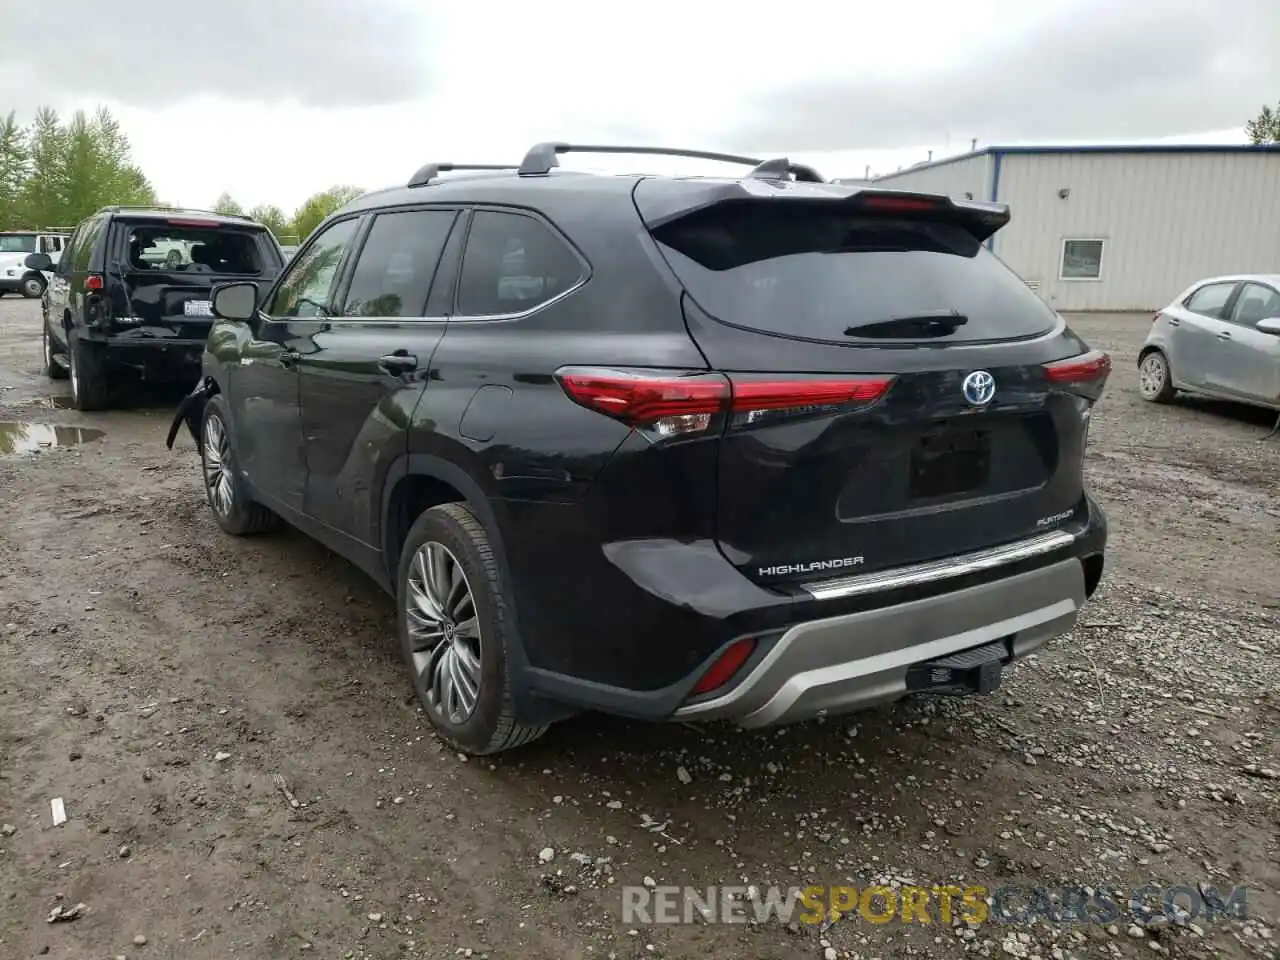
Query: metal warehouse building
(1120, 228)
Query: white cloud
(374, 89)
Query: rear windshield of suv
(225, 251)
(18, 243)
(796, 269)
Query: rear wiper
(937, 323)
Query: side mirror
(235, 301)
(39, 261)
(1270, 325)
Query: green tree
(1265, 127)
(13, 168)
(68, 171)
(273, 218)
(315, 208)
(227, 206)
(40, 204)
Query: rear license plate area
(950, 463)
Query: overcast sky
(273, 101)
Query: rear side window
(1210, 300)
(809, 271)
(393, 275)
(512, 264)
(86, 241)
(170, 248)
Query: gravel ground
(157, 676)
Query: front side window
(512, 264)
(18, 243)
(1255, 304)
(1081, 259)
(397, 263)
(307, 288)
(1210, 300)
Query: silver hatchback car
(1220, 338)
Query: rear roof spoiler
(661, 202)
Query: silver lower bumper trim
(847, 662)
(935, 570)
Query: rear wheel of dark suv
(454, 622)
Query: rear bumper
(831, 646)
(153, 350)
(848, 662)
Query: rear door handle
(1224, 335)
(398, 363)
(288, 358)
(1173, 321)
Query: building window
(1081, 260)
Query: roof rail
(543, 157)
(432, 170)
(121, 207)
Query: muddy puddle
(18, 439)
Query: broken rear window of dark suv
(805, 270)
(221, 250)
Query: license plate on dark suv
(954, 462)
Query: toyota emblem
(979, 387)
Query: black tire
(1155, 382)
(48, 366)
(224, 489)
(33, 286)
(89, 388)
(490, 726)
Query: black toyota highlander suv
(130, 295)
(760, 448)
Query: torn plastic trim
(191, 411)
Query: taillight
(93, 282)
(1084, 375)
(670, 403)
(756, 399)
(725, 666)
(1087, 368)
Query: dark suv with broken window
(130, 295)
(760, 447)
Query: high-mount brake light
(896, 204)
(670, 403)
(1086, 368)
(182, 222)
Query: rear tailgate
(168, 271)
(894, 394)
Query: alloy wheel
(216, 450)
(444, 632)
(1152, 375)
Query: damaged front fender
(191, 410)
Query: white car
(1219, 338)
